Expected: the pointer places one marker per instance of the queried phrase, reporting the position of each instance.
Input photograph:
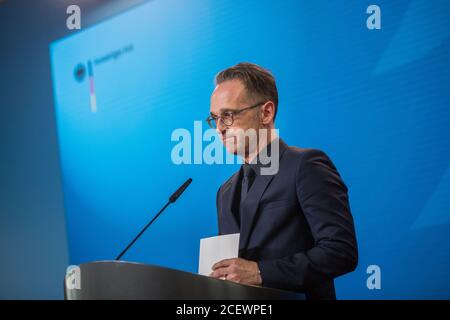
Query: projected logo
(93, 98)
(80, 74)
(81, 70)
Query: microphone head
(180, 190)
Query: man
(296, 229)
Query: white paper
(217, 248)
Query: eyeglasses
(227, 117)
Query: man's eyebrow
(221, 111)
(226, 110)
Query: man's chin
(232, 150)
(232, 146)
(235, 151)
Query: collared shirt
(255, 167)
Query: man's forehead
(227, 95)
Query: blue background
(376, 101)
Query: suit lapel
(228, 196)
(250, 208)
(251, 202)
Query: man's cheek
(231, 143)
(239, 146)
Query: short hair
(258, 81)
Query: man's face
(228, 96)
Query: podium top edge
(124, 262)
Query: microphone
(172, 199)
(180, 190)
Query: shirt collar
(267, 150)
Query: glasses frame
(212, 119)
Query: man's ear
(267, 113)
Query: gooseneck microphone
(172, 199)
(180, 190)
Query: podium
(112, 280)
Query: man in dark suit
(296, 228)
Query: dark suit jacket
(296, 224)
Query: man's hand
(237, 270)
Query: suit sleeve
(324, 201)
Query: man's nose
(220, 128)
